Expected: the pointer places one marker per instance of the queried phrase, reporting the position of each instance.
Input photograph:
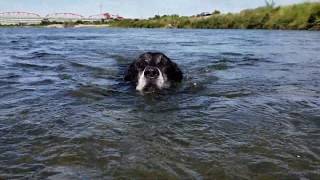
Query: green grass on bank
(298, 16)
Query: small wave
(86, 66)
(187, 43)
(256, 59)
(237, 94)
(230, 94)
(14, 42)
(122, 60)
(95, 70)
(251, 61)
(5, 82)
(63, 37)
(93, 92)
(39, 67)
(231, 54)
(9, 76)
(226, 60)
(75, 64)
(55, 37)
(218, 43)
(38, 55)
(218, 66)
(42, 82)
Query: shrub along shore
(304, 16)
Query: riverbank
(77, 26)
(303, 16)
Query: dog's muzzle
(151, 72)
(151, 79)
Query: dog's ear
(174, 73)
(132, 73)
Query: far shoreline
(58, 26)
(61, 26)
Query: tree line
(303, 16)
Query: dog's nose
(151, 72)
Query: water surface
(249, 106)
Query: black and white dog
(153, 71)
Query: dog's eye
(141, 65)
(161, 62)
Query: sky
(134, 8)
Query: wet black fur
(156, 59)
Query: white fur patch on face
(162, 80)
(142, 81)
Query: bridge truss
(19, 17)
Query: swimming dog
(153, 71)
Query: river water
(248, 108)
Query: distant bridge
(63, 17)
(8, 18)
(27, 18)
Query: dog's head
(153, 71)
